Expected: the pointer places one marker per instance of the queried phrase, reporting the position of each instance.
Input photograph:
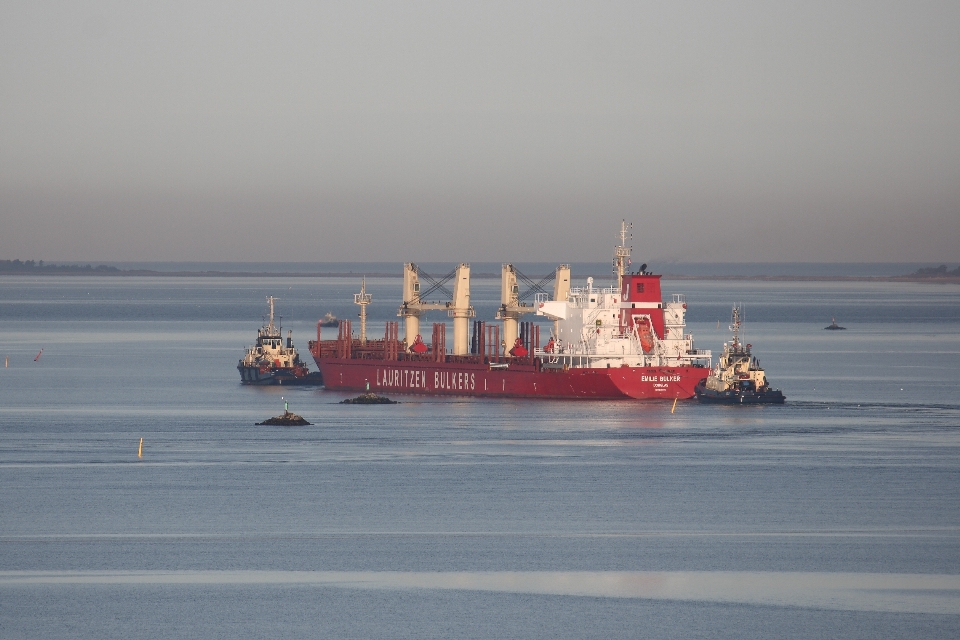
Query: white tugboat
(738, 377)
(273, 360)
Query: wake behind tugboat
(738, 377)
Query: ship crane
(458, 308)
(512, 305)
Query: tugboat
(274, 360)
(329, 320)
(738, 377)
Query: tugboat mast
(735, 326)
(270, 324)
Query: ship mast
(270, 324)
(735, 327)
(621, 253)
(363, 299)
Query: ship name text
(418, 379)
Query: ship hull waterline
(254, 376)
(515, 381)
(768, 396)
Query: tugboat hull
(733, 396)
(253, 375)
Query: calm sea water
(835, 515)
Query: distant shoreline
(141, 273)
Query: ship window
(593, 299)
(639, 287)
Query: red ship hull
(516, 381)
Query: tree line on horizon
(937, 272)
(27, 266)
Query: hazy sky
(517, 131)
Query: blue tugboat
(738, 378)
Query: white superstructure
(627, 325)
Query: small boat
(738, 377)
(834, 326)
(273, 360)
(329, 320)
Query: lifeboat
(646, 335)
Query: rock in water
(286, 420)
(368, 398)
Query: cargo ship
(738, 377)
(273, 360)
(617, 342)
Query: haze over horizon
(501, 131)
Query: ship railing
(564, 360)
(582, 291)
(580, 296)
(679, 298)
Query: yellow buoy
(140, 451)
(674, 408)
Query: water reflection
(878, 592)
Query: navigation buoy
(140, 450)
